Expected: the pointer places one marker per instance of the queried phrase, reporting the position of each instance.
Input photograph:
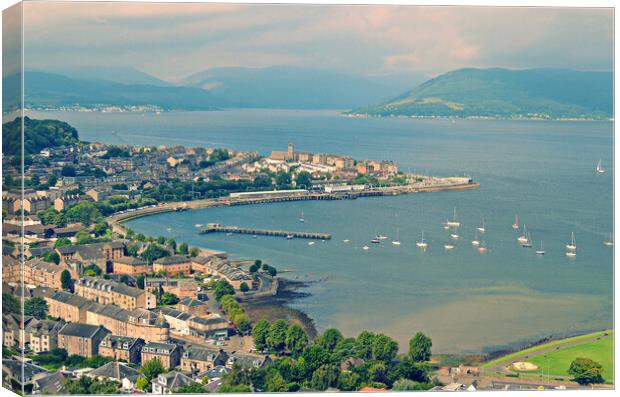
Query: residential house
(42, 335)
(148, 325)
(122, 348)
(67, 306)
(172, 265)
(109, 292)
(81, 339)
(169, 382)
(178, 320)
(196, 359)
(247, 360)
(117, 372)
(129, 265)
(193, 306)
(168, 354)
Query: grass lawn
(601, 351)
(547, 345)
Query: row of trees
(301, 365)
(235, 313)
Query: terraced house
(109, 292)
(121, 348)
(35, 272)
(42, 335)
(81, 339)
(168, 354)
(129, 265)
(172, 265)
(101, 254)
(138, 322)
(197, 359)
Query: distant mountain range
(504, 93)
(273, 87)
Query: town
(107, 309)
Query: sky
(172, 41)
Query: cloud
(174, 40)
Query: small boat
(448, 247)
(397, 241)
(346, 241)
(289, 236)
(365, 248)
(599, 168)
(540, 251)
(381, 236)
(483, 248)
(255, 236)
(454, 222)
(609, 242)
(375, 241)
(527, 243)
(198, 225)
(311, 243)
(446, 226)
(301, 218)
(229, 234)
(572, 245)
(482, 227)
(422, 242)
(475, 242)
(523, 238)
(571, 254)
(516, 225)
(455, 236)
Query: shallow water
(466, 301)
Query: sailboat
(446, 226)
(475, 242)
(448, 247)
(381, 236)
(311, 243)
(365, 248)
(609, 242)
(516, 225)
(482, 228)
(599, 168)
(454, 222)
(397, 241)
(572, 245)
(528, 242)
(483, 248)
(301, 218)
(289, 236)
(455, 236)
(523, 238)
(541, 251)
(422, 243)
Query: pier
(217, 228)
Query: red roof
(368, 389)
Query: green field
(534, 349)
(601, 351)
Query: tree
(152, 368)
(586, 371)
(190, 388)
(194, 252)
(67, 170)
(329, 339)
(222, 287)
(254, 268)
(168, 298)
(183, 249)
(296, 339)
(276, 339)
(10, 304)
(62, 242)
(140, 281)
(303, 179)
(420, 347)
(83, 237)
(235, 389)
(153, 252)
(51, 257)
(324, 377)
(406, 384)
(260, 333)
(172, 244)
(66, 282)
(363, 344)
(274, 382)
(142, 383)
(35, 307)
(244, 287)
(384, 348)
(262, 181)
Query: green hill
(38, 135)
(503, 93)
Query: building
(193, 306)
(168, 354)
(62, 203)
(101, 254)
(81, 339)
(178, 320)
(181, 287)
(42, 335)
(169, 382)
(12, 327)
(247, 360)
(212, 322)
(35, 272)
(124, 348)
(108, 292)
(173, 265)
(139, 322)
(196, 359)
(69, 307)
(117, 372)
(233, 275)
(129, 265)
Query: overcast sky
(171, 41)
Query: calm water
(467, 302)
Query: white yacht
(397, 240)
(609, 242)
(289, 236)
(311, 243)
(540, 251)
(301, 218)
(454, 222)
(365, 248)
(346, 240)
(455, 236)
(475, 242)
(572, 245)
(523, 238)
(482, 228)
(448, 247)
(599, 168)
(527, 243)
(483, 248)
(516, 225)
(422, 242)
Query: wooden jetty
(217, 228)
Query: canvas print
(242, 198)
